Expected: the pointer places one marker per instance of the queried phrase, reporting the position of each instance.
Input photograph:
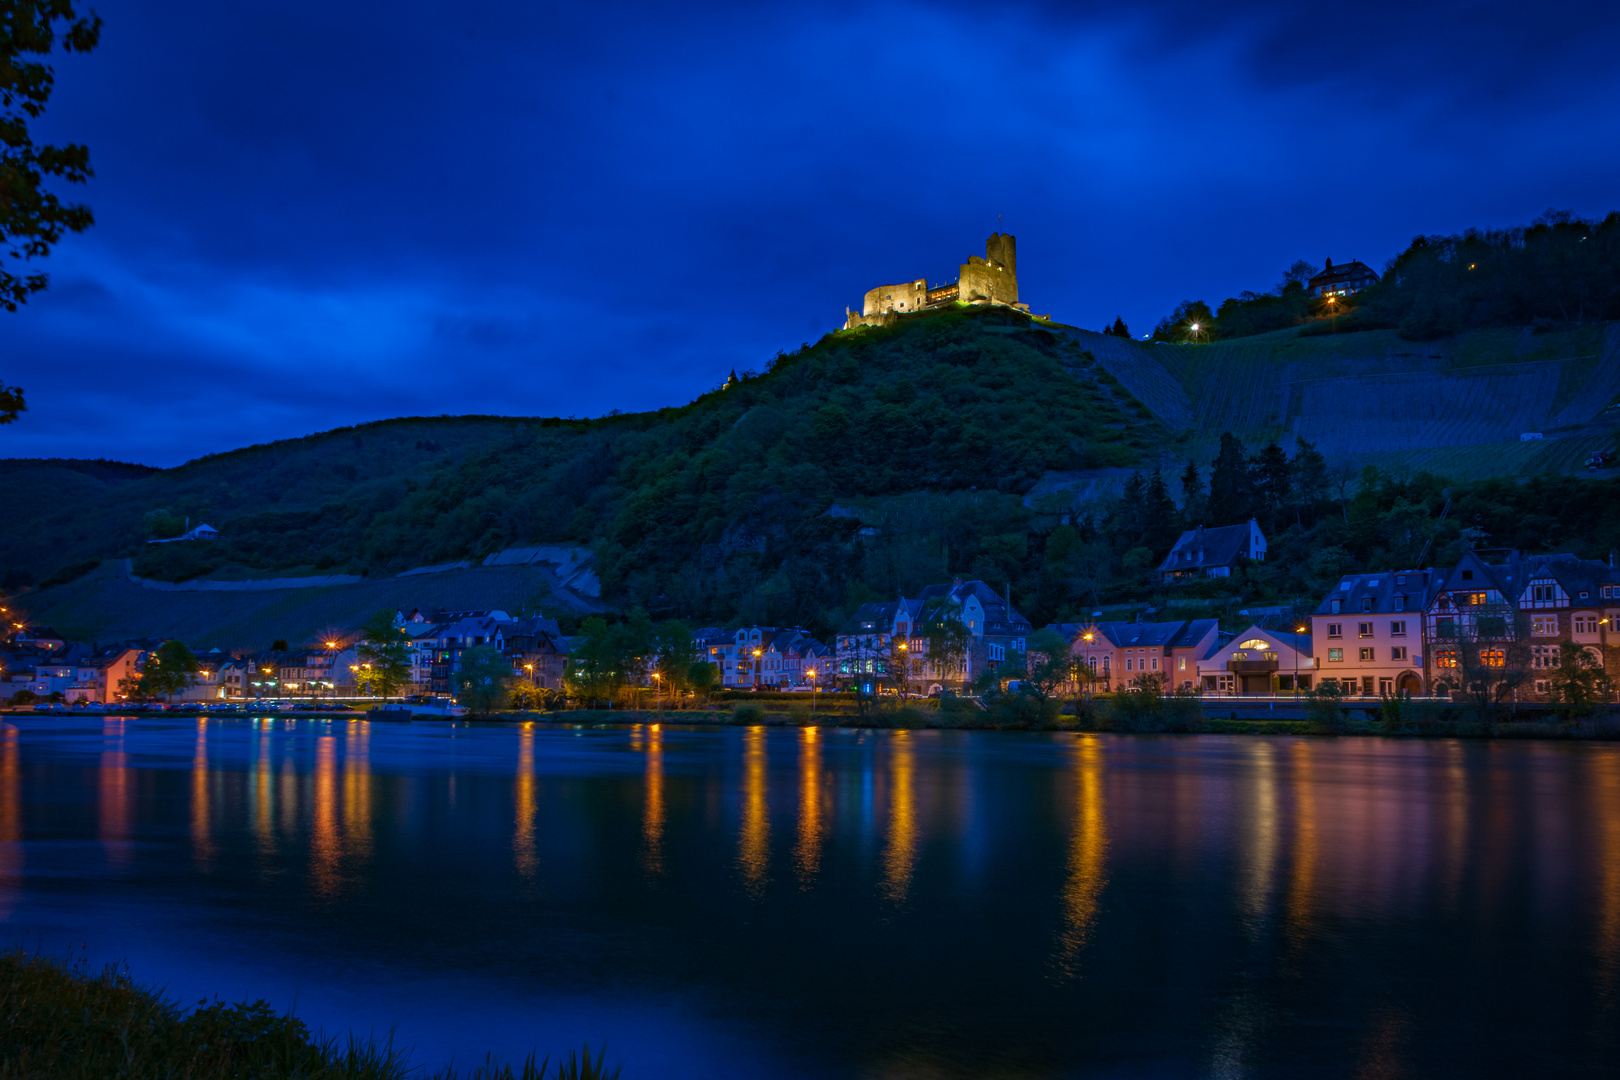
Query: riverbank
(67, 1023)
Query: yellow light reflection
(264, 797)
(324, 851)
(807, 848)
(523, 853)
(202, 848)
(113, 801)
(1088, 854)
(11, 833)
(900, 840)
(1261, 861)
(652, 811)
(357, 790)
(754, 842)
(1302, 899)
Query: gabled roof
(1574, 574)
(1201, 547)
(1350, 271)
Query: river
(781, 902)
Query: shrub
(748, 712)
(1323, 711)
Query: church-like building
(990, 280)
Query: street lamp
(811, 672)
(658, 689)
(1297, 630)
(756, 669)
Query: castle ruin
(990, 280)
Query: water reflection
(523, 851)
(900, 839)
(1605, 769)
(11, 832)
(1072, 906)
(324, 850)
(264, 795)
(1302, 872)
(1088, 853)
(357, 791)
(754, 840)
(652, 811)
(112, 807)
(1261, 836)
(807, 847)
(201, 846)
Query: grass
(64, 1022)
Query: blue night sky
(313, 214)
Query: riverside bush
(64, 1023)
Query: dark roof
(1179, 634)
(1220, 546)
(1418, 586)
(1575, 574)
(1351, 271)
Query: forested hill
(932, 432)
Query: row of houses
(1409, 632)
(1382, 634)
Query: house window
(1366, 655)
(1105, 664)
(1445, 658)
(1155, 663)
(1543, 656)
(1335, 656)
(1364, 629)
(1492, 657)
(1397, 628)
(1400, 603)
(1544, 625)
(1400, 579)
(1366, 603)
(1398, 652)
(1333, 606)
(1586, 624)
(1445, 627)
(1181, 663)
(1129, 664)
(1541, 592)
(1335, 629)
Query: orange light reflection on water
(1088, 854)
(754, 840)
(807, 846)
(900, 838)
(652, 810)
(113, 795)
(324, 850)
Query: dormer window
(1333, 606)
(1366, 603)
(1400, 603)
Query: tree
(1179, 325)
(1118, 329)
(1310, 479)
(1493, 659)
(1160, 522)
(168, 670)
(385, 656)
(1230, 500)
(482, 682)
(675, 653)
(32, 219)
(1578, 682)
(945, 638)
(1050, 664)
(1194, 500)
(703, 676)
(12, 404)
(1271, 481)
(594, 669)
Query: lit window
(1366, 655)
(1335, 656)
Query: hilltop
(953, 442)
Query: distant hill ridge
(718, 507)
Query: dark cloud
(313, 214)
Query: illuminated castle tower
(990, 280)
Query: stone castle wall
(990, 280)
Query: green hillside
(971, 442)
(717, 508)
